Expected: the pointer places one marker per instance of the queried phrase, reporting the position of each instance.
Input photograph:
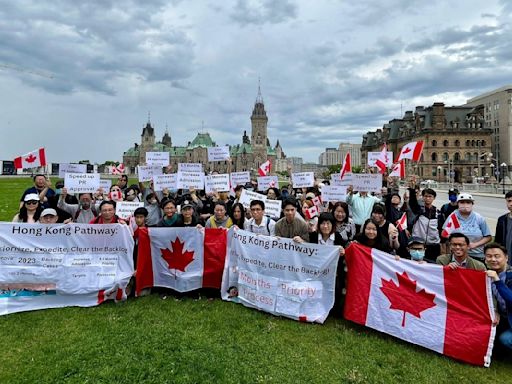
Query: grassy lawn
(149, 340)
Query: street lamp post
(439, 170)
(503, 174)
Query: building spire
(149, 117)
(259, 98)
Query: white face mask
(417, 254)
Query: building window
(434, 143)
(445, 156)
(445, 143)
(434, 157)
(457, 143)
(456, 157)
(467, 156)
(468, 143)
(482, 143)
(434, 170)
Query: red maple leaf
(30, 158)
(406, 150)
(176, 258)
(404, 297)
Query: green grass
(148, 340)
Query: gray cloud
(261, 12)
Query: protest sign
(303, 179)
(190, 167)
(240, 178)
(146, 172)
(334, 193)
(71, 168)
(374, 156)
(367, 182)
(218, 153)
(82, 182)
(216, 183)
(160, 159)
(345, 181)
(280, 276)
(266, 182)
(51, 266)
(169, 181)
(247, 196)
(105, 184)
(125, 209)
(273, 208)
(187, 180)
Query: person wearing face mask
(446, 210)
(416, 249)
(83, 212)
(473, 225)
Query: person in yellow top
(219, 218)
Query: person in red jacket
(107, 214)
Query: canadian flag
(450, 225)
(346, 167)
(401, 223)
(447, 310)
(398, 170)
(311, 212)
(317, 200)
(264, 169)
(119, 170)
(382, 161)
(183, 259)
(411, 151)
(36, 158)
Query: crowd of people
(366, 218)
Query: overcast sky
(79, 77)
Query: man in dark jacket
(504, 228)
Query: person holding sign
(290, 226)
(259, 223)
(219, 218)
(83, 212)
(361, 204)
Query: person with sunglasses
(30, 211)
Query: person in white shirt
(259, 223)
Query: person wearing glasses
(458, 243)
(30, 211)
(259, 223)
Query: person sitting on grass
(30, 211)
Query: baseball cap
(465, 197)
(48, 212)
(31, 197)
(453, 191)
(415, 240)
(186, 204)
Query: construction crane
(26, 70)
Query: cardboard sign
(303, 179)
(71, 168)
(367, 182)
(273, 208)
(82, 182)
(146, 172)
(157, 158)
(247, 196)
(216, 183)
(160, 182)
(346, 181)
(265, 182)
(374, 156)
(187, 180)
(334, 193)
(218, 153)
(125, 209)
(105, 184)
(240, 178)
(190, 167)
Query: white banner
(190, 167)
(367, 182)
(125, 209)
(374, 156)
(247, 196)
(346, 181)
(82, 182)
(303, 179)
(60, 265)
(216, 183)
(105, 184)
(218, 153)
(334, 193)
(146, 172)
(71, 168)
(280, 276)
(160, 182)
(265, 182)
(157, 158)
(240, 178)
(187, 180)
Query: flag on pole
(446, 310)
(411, 151)
(346, 167)
(36, 158)
(264, 169)
(401, 223)
(398, 170)
(382, 161)
(451, 225)
(317, 201)
(312, 212)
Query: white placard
(273, 208)
(105, 184)
(160, 182)
(125, 209)
(303, 179)
(187, 180)
(240, 178)
(247, 196)
(265, 182)
(157, 158)
(218, 153)
(216, 183)
(71, 168)
(334, 193)
(190, 167)
(82, 182)
(374, 156)
(146, 172)
(367, 182)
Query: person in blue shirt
(42, 187)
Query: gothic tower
(259, 121)
(147, 141)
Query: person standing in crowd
(42, 188)
(344, 224)
(459, 254)
(154, 212)
(83, 212)
(259, 223)
(371, 236)
(272, 193)
(122, 182)
(386, 228)
(290, 226)
(187, 218)
(30, 211)
(416, 249)
(238, 215)
(503, 234)
(107, 214)
(170, 216)
(49, 216)
(451, 205)
(311, 222)
(361, 204)
(427, 223)
(220, 219)
(473, 225)
(500, 272)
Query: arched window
(482, 143)
(457, 143)
(473, 143)
(475, 156)
(456, 157)
(434, 157)
(468, 143)
(445, 156)
(467, 156)
(445, 143)
(434, 143)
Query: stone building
(457, 143)
(246, 156)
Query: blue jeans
(506, 338)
